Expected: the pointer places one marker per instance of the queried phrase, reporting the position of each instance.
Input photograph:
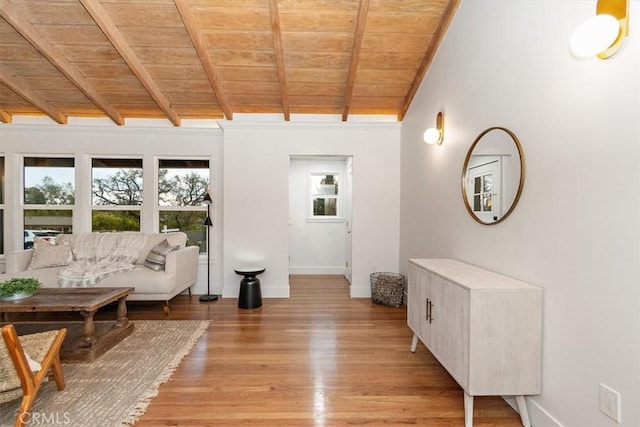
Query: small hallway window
(325, 196)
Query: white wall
(84, 141)
(254, 222)
(576, 230)
(315, 247)
(256, 196)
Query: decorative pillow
(158, 255)
(47, 255)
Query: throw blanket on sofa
(98, 256)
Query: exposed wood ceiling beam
(5, 117)
(438, 35)
(118, 41)
(201, 48)
(247, 58)
(18, 20)
(277, 45)
(363, 10)
(22, 89)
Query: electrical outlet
(610, 402)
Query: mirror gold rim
(465, 171)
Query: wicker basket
(387, 288)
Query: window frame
(47, 206)
(24, 207)
(204, 207)
(311, 195)
(92, 207)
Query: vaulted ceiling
(209, 59)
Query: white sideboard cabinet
(483, 327)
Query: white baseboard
(316, 270)
(538, 416)
(276, 292)
(231, 291)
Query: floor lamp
(208, 223)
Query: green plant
(20, 285)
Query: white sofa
(178, 275)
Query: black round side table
(250, 293)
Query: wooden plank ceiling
(188, 59)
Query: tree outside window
(49, 193)
(182, 184)
(49, 181)
(116, 194)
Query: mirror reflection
(493, 175)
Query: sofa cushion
(94, 246)
(68, 238)
(144, 280)
(158, 255)
(46, 254)
(47, 276)
(150, 240)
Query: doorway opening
(320, 220)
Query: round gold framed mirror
(493, 175)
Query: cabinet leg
(522, 408)
(414, 343)
(468, 410)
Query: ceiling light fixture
(602, 35)
(435, 135)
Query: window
(49, 181)
(49, 194)
(482, 192)
(325, 197)
(483, 187)
(116, 194)
(181, 187)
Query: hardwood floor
(318, 358)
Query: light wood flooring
(318, 358)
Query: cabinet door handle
(427, 310)
(430, 311)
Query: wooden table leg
(88, 329)
(122, 312)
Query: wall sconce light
(435, 135)
(602, 35)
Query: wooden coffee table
(87, 340)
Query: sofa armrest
(183, 263)
(19, 260)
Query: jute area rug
(115, 389)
